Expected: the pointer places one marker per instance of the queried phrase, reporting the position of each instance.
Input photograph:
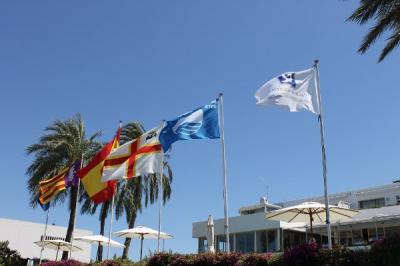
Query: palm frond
(393, 42)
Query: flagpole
(324, 169)
(112, 214)
(160, 196)
(44, 235)
(111, 224)
(76, 207)
(225, 192)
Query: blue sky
(154, 60)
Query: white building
(251, 232)
(22, 235)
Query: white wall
(244, 223)
(22, 235)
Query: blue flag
(201, 123)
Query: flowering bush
(162, 259)
(386, 251)
(63, 263)
(341, 256)
(256, 259)
(208, 259)
(305, 254)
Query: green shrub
(9, 257)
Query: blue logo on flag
(288, 78)
(201, 123)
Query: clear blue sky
(154, 60)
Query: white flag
(141, 156)
(295, 90)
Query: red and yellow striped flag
(49, 188)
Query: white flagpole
(324, 169)
(160, 196)
(112, 214)
(111, 223)
(76, 207)
(225, 193)
(44, 235)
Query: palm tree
(386, 14)
(62, 143)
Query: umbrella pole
(324, 169)
(141, 247)
(311, 230)
(58, 248)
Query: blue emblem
(288, 78)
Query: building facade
(21, 236)
(379, 215)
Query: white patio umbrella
(142, 232)
(210, 234)
(311, 211)
(99, 239)
(57, 245)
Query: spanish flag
(49, 188)
(91, 174)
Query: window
(245, 242)
(262, 240)
(266, 241)
(220, 243)
(373, 203)
(203, 245)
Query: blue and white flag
(295, 90)
(201, 123)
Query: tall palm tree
(386, 14)
(62, 143)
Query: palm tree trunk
(128, 240)
(103, 216)
(71, 223)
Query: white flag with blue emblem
(295, 90)
(201, 123)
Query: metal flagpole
(44, 235)
(111, 223)
(112, 214)
(324, 169)
(160, 196)
(225, 193)
(76, 207)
